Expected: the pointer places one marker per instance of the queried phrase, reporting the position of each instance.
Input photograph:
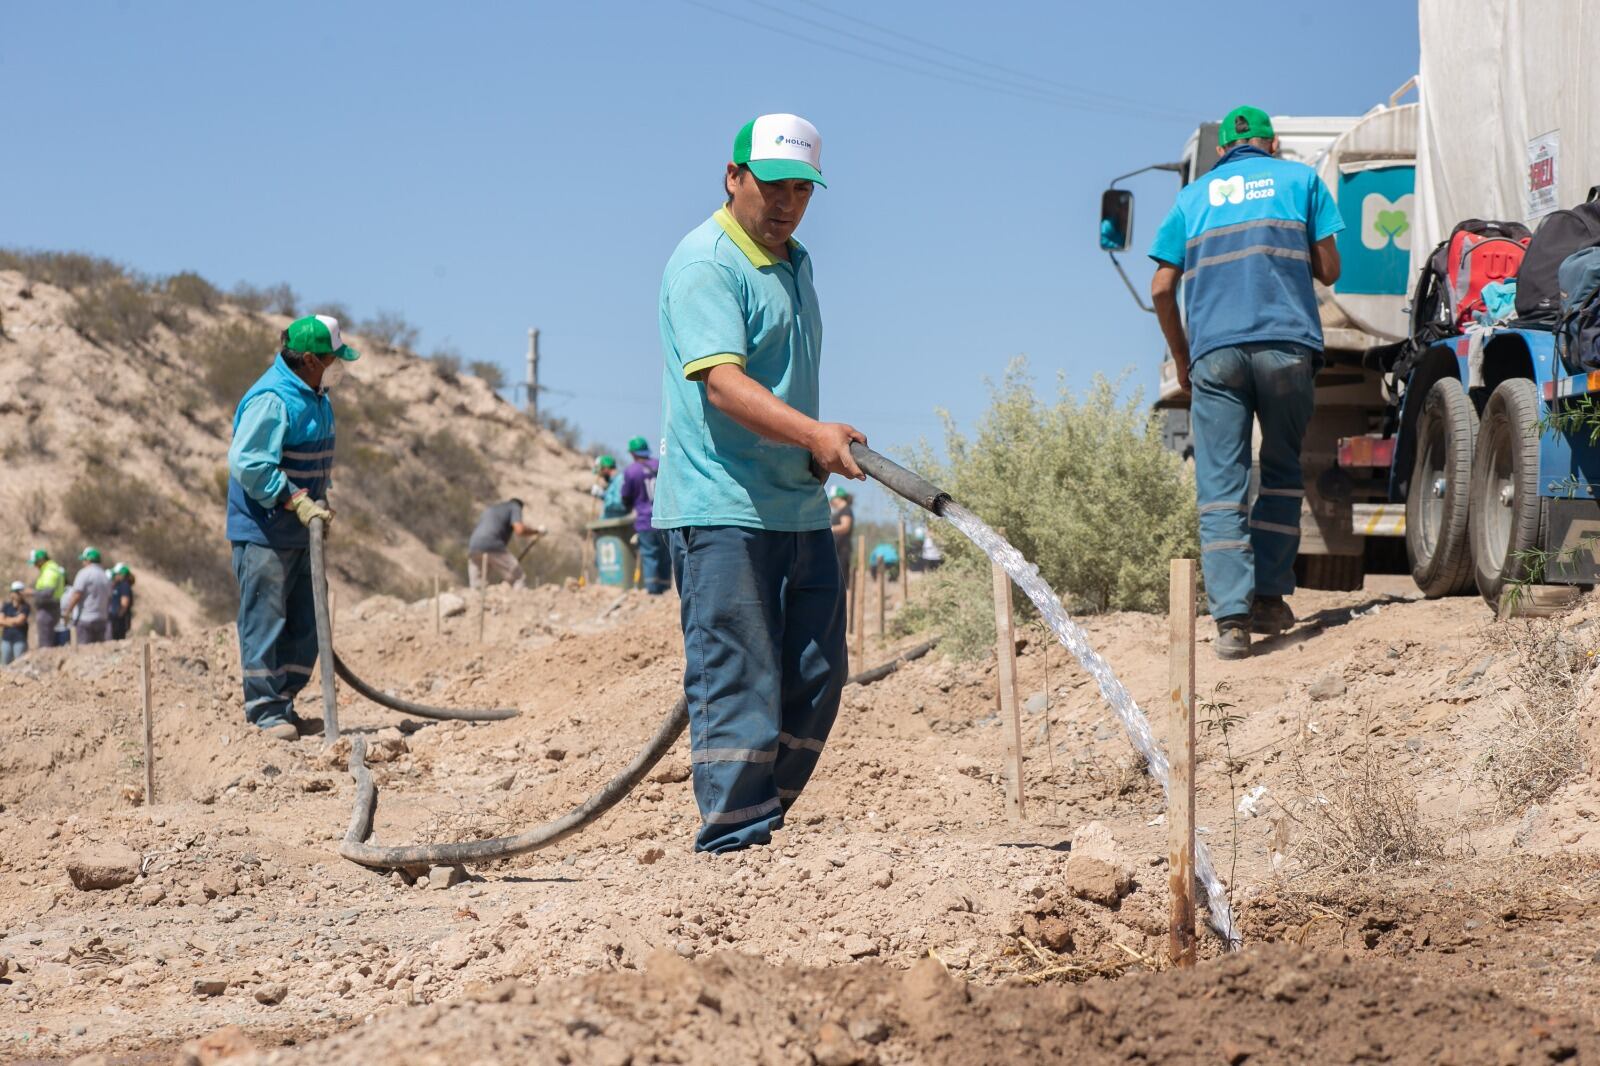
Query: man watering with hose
(740, 490)
(279, 468)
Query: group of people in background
(96, 606)
(633, 490)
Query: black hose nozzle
(914, 487)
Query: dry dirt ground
(900, 917)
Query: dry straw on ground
(1536, 747)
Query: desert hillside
(115, 421)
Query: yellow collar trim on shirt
(759, 257)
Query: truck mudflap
(1572, 539)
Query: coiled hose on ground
(357, 850)
(330, 708)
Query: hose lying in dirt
(357, 850)
(319, 587)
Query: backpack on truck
(1578, 329)
(1449, 290)
(1538, 282)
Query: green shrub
(229, 358)
(488, 372)
(448, 362)
(192, 290)
(1083, 488)
(117, 314)
(189, 551)
(104, 503)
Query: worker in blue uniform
(279, 468)
(1245, 242)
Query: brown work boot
(308, 727)
(1269, 616)
(1233, 637)
(282, 731)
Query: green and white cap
(319, 334)
(777, 147)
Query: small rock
(1035, 704)
(1097, 880)
(451, 605)
(649, 854)
(857, 945)
(209, 986)
(836, 1047)
(216, 1047)
(869, 1030)
(1326, 688)
(102, 867)
(219, 884)
(503, 784)
(150, 895)
(445, 876)
(273, 994)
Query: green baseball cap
(37, 556)
(1243, 124)
(90, 555)
(319, 335)
(638, 446)
(777, 147)
(838, 492)
(605, 462)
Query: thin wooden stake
(1180, 755)
(438, 609)
(905, 567)
(860, 605)
(149, 737)
(483, 594)
(1006, 679)
(883, 593)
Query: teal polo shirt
(726, 299)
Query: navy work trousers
(1245, 551)
(655, 560)
(765, 661)
(277, 629)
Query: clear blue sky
(487, 167)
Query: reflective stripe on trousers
(1247, 551)
(277, 628)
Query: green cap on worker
(90, 554)
(1243, 124)
(37, 556)
(838, 492)
(778, 147)
(121, 568)
(638, 446)
(605, 462)
(319, 335)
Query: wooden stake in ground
(438, 610)
(1180, 754)
(905, 567)
(860, 606)
(149, 739)
(1005, 648)
(483, 595)
(883, 592)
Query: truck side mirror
(1116, 220)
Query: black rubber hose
(319, 608)
(319, 585)
(355, 847)
(914, 487)
(420, 710)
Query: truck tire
(1506, 512)
(1437, 541)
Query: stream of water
(1076, 641)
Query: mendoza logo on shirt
(1236, 190)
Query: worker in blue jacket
(279, 468)
(1246, 241)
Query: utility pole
(532, 397)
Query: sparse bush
(248, 297)
(281, 300)
(231, 357)
(188, 550)
(488, 372)
(447, 361)
(1363, 820)
(117, 314)
(33, 505)
(65, 270)
(192, 290)
(1083, 488)
(104, 503)
(957, 601)
(390, 330)
(1536, 747)
(566, 431)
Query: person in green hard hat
(48, 589)
(88, 602)
(638, 495)
(739, 491)
(121, 601)
(607, 487)
(14, 614)
(1245, 243)
(842, 520)
(280, 465)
